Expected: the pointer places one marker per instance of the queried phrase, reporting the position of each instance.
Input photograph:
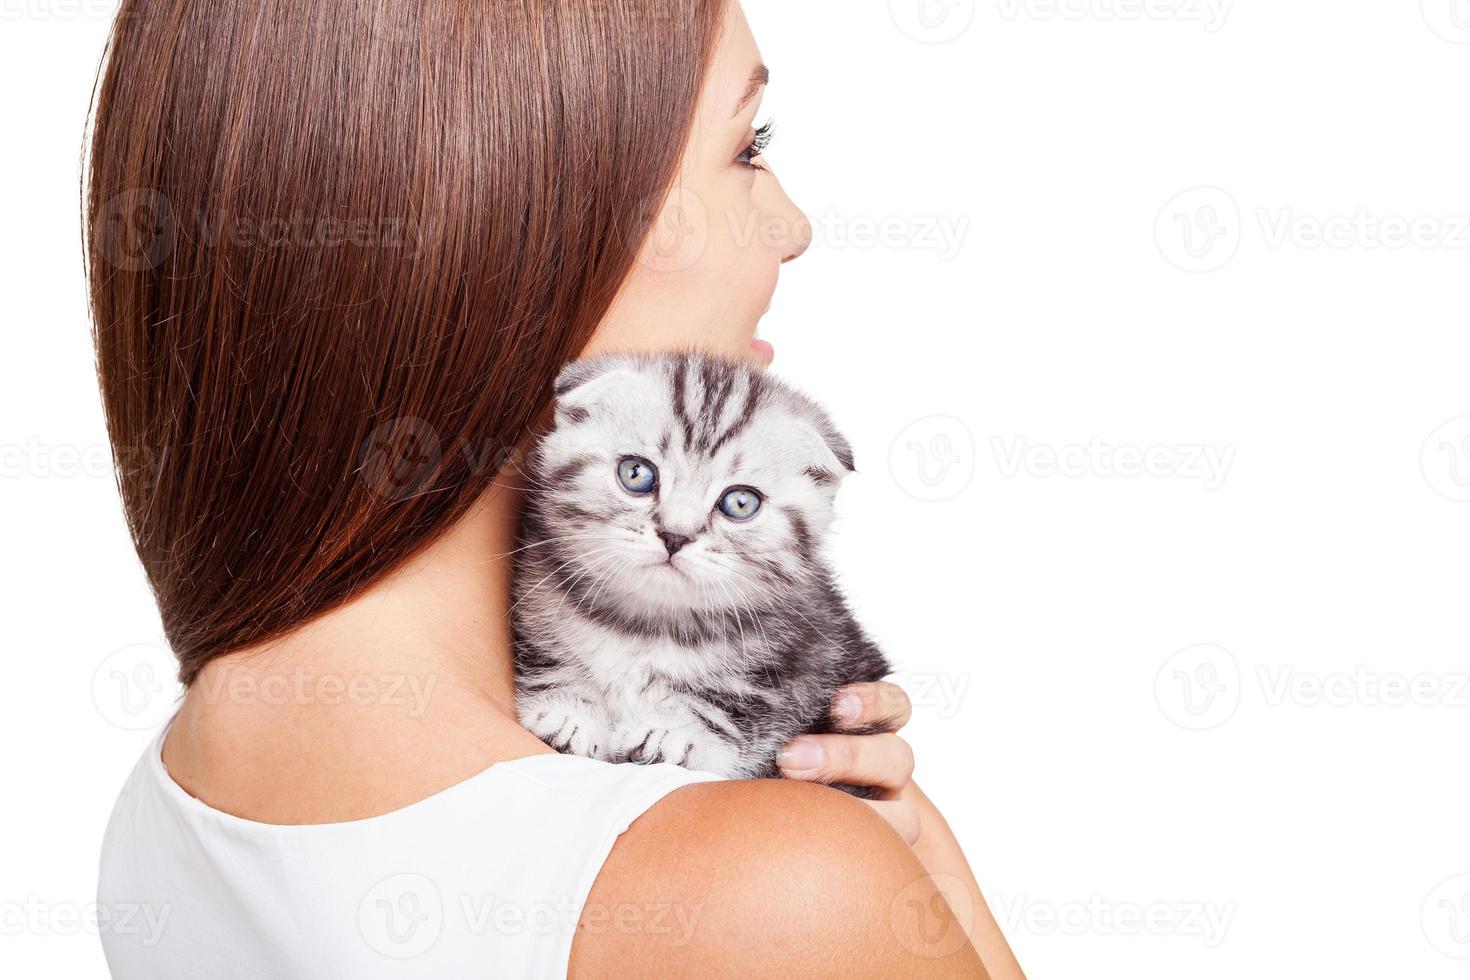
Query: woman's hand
(883, 760)
(886, 762)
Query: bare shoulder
(766, 878)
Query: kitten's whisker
(755, 616)
(734, 608)
(763, 592)
(535, 588)
(796, 609)
(601, 583)
(603, 555)
(553, 539)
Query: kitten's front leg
(674, 732)
(570, 721)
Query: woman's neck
(404, 691)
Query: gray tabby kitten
(672, 603)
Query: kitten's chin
(664, 588)
(676, 583)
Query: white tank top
(487, 878)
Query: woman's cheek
(741, 277)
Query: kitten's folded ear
(829, 444)
(837, 442)
(581, 384)
(577, 374)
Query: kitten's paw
(658, 745)
(570, 725)
(692, 747)
(714, 754)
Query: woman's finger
(878, 705)
(882, 760)
(901, 816)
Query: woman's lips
(763, 350)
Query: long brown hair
(337, 253)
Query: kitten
(672, 603)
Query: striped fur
(714, 656)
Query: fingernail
(849, 707)
(801, 754)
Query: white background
(1147, 319)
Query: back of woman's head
(338, 252)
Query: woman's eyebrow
(758, 79)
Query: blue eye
(637, 475)
(740, 503)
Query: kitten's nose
(673, 541)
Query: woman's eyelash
(757, 147)
(763, 138)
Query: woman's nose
(794, 230)
(801, 237)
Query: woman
(338, 255)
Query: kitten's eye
(740, 503)
(637, 475)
